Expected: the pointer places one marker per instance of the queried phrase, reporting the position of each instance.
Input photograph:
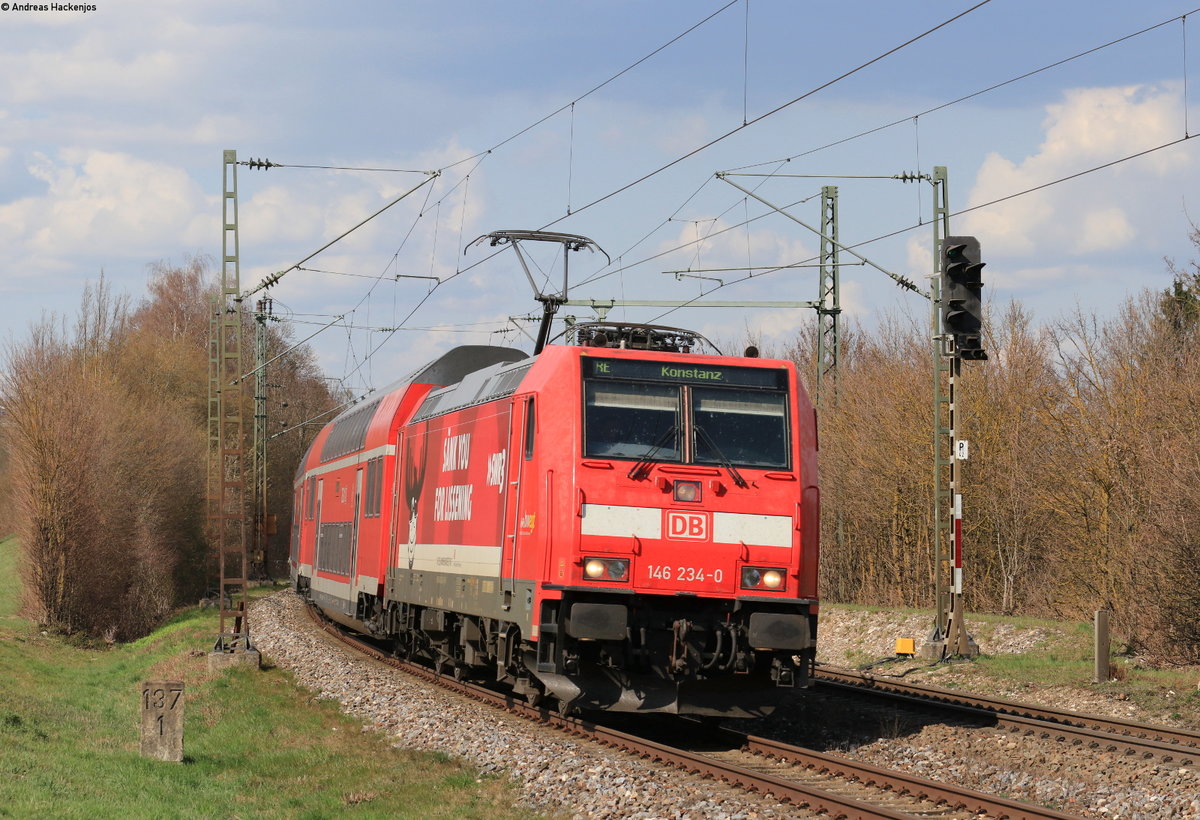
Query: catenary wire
(772, 112)
(914, 118)
(597, 87)
(972, 208)
(969, 96)
(960, 212)
(693, 152)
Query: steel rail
(842, 806)
(1094, 731)
(948, 794)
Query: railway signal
(962, 305)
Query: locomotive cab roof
(633, 336)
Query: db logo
(689, 525)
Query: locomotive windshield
(647, 410)
(630, 420)
(745, 428)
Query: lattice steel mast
(262, 529)
(227, 433)
(829, 304)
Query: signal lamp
(606, 569)
(687, 490)
(763, 578)
(962, 305)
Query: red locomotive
(616, 524)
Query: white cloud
(1102, 230)
(853, 299)
(92, 67)
(97, 202)
(298, 212)
(919, 256)
(1036, 277)
(1090, 127)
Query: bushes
(1081, 488)
(106, 434)
(106, 475)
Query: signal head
(962, 303)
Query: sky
(1065, 129)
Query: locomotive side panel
(809, 513)
(455, 513)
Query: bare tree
(1004, 414)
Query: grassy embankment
(255, 745)
(1062, 655)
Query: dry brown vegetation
(105, 431)
(1081, 491)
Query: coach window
(310, 495)
(373, 505)
(631, 420)
(742, 427)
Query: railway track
(1093, 732)
(813, 781)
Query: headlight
(763, 578)
(687, 491)
(606, 569)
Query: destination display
(716, 375)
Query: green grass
(10, 582)
(1063, 666)
(1068, 660)
(1063, 656)
(255, 745)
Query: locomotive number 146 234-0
(668, 572)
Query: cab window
(632, 420)
(740, 427)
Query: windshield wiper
(642, 468)
(725, 462)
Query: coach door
(353, 570)
(317, 557)
(297, 511)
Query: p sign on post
(162, 720)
